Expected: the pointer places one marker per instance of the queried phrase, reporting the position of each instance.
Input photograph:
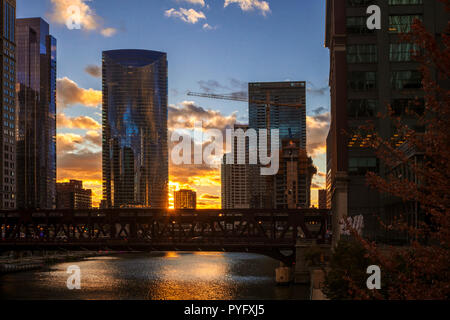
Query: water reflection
(157, 276)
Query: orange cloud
(69, 93)
(81, 122)
(317, 130)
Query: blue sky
(246, 45)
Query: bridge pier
(302, 271)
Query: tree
(422, 269)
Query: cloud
(67, 142)
(206, 26)
(312, 89)
(108, 32)
(250, 5)
(80, 122)
(198, 2)
(93, 70)
(317, 131)
(209, 196)
(89, 21)
(69, 93)
(212, 86)
(187, 113)
(189, 16)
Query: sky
(214, 46)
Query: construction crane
(234, 97)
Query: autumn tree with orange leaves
(420, 270)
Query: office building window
(358, 25)
(402, 24)
(401, 80)
(402, 106)
(362, 53)
(405, 2)
(360, 166)
(362, 80)
(359, 3)
(361, 108)
(402, 52)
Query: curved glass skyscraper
(135, 150)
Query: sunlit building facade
(185, 199)
(36, 123)
(8, 166)
(135, 151)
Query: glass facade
(271, 191)
(8, 109)
(135, 149)
(36, 132)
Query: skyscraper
(8, 95)
(271, 191)
(369, 70)
(71, 195)
(235, 187)
(135, 151)
(36, 132)
(185, 199)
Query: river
(157, 276)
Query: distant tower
(36, 139)
(135, 152)
(235, 177)
(322, 199)
(185, 199)
(8, 97)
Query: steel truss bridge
(268, 232)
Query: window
(362, 80)
(405, 2)
(402, 52)
(360, 166)
(358, 25)
(402, 24)
(406, 80)
(359, 3)
(400, 106)
(362, 53)
(361, 108)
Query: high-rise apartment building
(8, 182)
(271, 191)
(185, 199)
(71, 195)
(369, 69)
(235, 186)
(135, 151)
(322, 196)
(36, 123)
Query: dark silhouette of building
(369, 69)
(135, 152)
(8, 167)
(185, 199)
(36, 132)
(71, 195)
(322, 196)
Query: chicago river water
(157, 276)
